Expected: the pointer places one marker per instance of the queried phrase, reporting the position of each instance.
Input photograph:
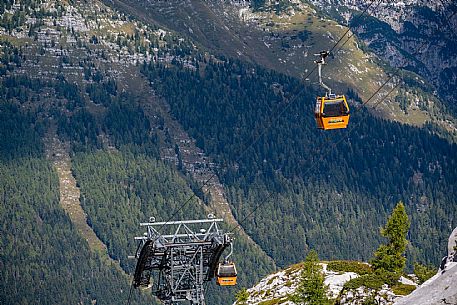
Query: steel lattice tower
(179, 257)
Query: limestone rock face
(452, 246)
(441, 288)
(278, 287)
(418, 34)
(363, 295)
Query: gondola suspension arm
(319, 63)
(230, 253)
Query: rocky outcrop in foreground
(279, 287)
(441, 288)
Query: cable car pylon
(177, 258)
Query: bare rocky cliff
(414, 33)
(441, 288)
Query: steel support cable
(356, 18)
(232, 230)
(446, 21)
(352, 128)
(269, 124)
(342, 37)
(352, 34)
(264, 129)
(237, 227)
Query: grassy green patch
(271, 280)
(373, 280)
(350, 266)
(368, 280)
(274, 301)
(293, 268)
(370, 300)
(403, 289)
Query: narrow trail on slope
(58, 153)
(193, 159)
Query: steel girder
(179, 257)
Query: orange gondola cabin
(226, 274)
(331, 112)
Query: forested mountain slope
(43, 259)
(71, 67)
(284, 35)
(82, 67)
(303, 188)
(418, 34)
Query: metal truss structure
(179, 257)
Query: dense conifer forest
(292, 187)
(120, 190)
(310, 189)
(43, 258)
(120, 186)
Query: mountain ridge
(397, 30)
(85, 67)
(284, 39)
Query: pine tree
(390, 257)
(242, 296)
(423, 272)
(311, 290)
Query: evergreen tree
(311, 290)
(423, 272)
(242, 296)
(390, 257)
